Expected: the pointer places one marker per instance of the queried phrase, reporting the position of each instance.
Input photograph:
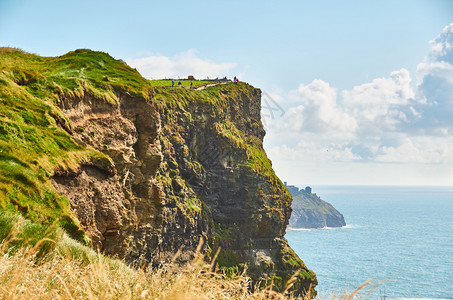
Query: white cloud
(427, 150)
(318, 111)
(382, 121)
(435, 83)
(382, 103)
(436, 88)
(352, 125)
(312, 151)
(181, 65)
(442, 46)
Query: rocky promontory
(310, 211)
(140, 171)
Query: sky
(354, 92)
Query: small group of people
(180, 84)
(235, 80)
(173, 83)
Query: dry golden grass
(63, 274)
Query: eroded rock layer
(188, 165)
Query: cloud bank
(181, 65)
(382, 121)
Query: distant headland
(310, 211)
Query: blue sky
(328, 64)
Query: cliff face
(214, 161)
(156, 169)
(120, 209)
(310, 211)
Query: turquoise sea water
(400, 234)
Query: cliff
(139, 171)
(310, 211)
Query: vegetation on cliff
(39, 262)
(33, 142)
(139, 170)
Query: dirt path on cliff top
(211, 84)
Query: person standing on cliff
(191, 85)
(172, 83)
(179, 84)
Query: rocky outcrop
(309, 211)
(148, 171)
(183, 170)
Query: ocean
(403, 235)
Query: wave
(422, 298)
(348, 226)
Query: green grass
(257, 158)
(193, 204)
(75, 72)
(17, 232)
(218, 95)
(184, 82)
(32, 144)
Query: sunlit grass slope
(33, 144)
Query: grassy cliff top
(184, 82)
(33, 144)
(92, 70)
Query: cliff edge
(142, 171)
